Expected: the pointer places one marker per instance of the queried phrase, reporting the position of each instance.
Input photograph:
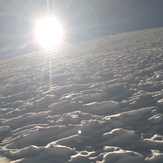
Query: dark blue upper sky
(83, 19)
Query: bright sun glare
(48, 32)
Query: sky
(81, 19)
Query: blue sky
(83, 20)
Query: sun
(48, 32)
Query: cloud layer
(98, 101)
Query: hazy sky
(82, 19)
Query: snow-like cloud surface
(98, 101)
